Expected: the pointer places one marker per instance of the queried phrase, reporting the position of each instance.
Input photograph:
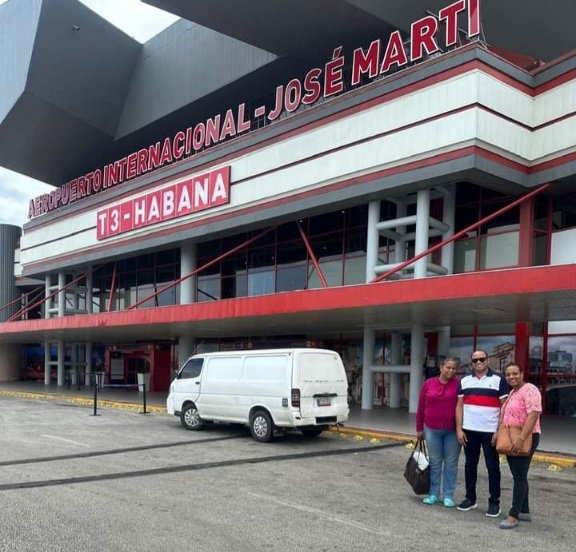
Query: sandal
(449, 503)
(430, 499)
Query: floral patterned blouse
(520, 403)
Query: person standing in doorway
(480, 396)
(436, 421)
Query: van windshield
(317, 367)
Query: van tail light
(296, 398)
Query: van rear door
(321, 378)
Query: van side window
(192, 368)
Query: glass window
(261, 283)
(465, 255)
(192, 369)
(540, 250)
(564, 212)
(561, 378)
(332, 271)
(291, 278)
(499, 250)
(354, 270)
(208, 289)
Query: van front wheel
(190, 418)
(261, 426)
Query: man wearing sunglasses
(480, 397)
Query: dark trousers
(476, 441)
(519, 466)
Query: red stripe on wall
(505, 283)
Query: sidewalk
(557, 445)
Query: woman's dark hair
(515, 364)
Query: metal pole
(144, 398)
(312, 256)
(95, 394)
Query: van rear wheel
(261, 426)
(190, 418)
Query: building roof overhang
(535, 295)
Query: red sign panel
(177, 200)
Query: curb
(554, 459)
(85, 401)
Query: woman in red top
(522, 408)
(436, 421)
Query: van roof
(264, 352)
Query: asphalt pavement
(126, 481)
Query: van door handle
(197, 382)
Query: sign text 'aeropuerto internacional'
(366, 64)
(177, 200)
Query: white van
(268, 390)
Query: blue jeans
(443, 449)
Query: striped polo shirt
(482, 396)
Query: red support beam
(312, 256)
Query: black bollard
(95, 395)
(144, 398)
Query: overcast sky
(136, 19)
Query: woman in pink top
(436, 421)
(522, 408)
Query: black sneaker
(466, 505)
(493, 510)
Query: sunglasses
(477, 360)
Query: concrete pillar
(396, 379)
(372, 240)
(422, 232)
(9, 293)
(48, 304)
(90, 291)
(400, 245)
(188, 263)
(10, 359)
(61, 295)
(416, 366)
(449, 218)
(367, 361)
(47, 366)
(88, 360)
(444, 341)
(61, 354)
(186, 348)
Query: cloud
(16, 191)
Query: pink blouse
(520, 403)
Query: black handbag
(417, 471)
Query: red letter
(275, 113)
(450, 14)
(422, 37)
(473, 18)
(362, 63)
(395, 53)
(312, 86)
(293, 95)
(333, 74)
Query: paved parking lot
(123, 481)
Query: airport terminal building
(393, 181)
